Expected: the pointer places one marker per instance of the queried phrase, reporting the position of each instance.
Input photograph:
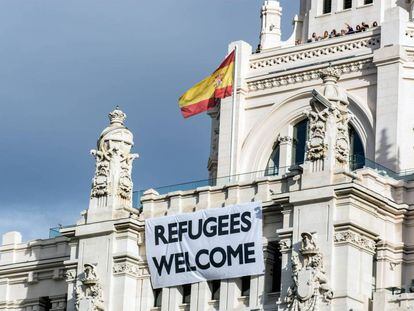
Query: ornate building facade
(323, 136)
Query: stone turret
(270, 36)
(111, 194)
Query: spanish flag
(207, 93)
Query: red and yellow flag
(207, 93)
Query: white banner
(211, 244)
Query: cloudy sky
(66, 64)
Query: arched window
(272, 167)
(300, 136)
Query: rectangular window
(277, 271)
(347, 4)
(368, 1)
(157, 297)
(215, 289)
(327, 6)
(187, 293)
(245, 286)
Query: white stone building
(323, 135)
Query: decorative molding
(351, 237)
(305, 76)
(285, 245)
(70, 275)
(285, 139)
(310, 288)
(372, 42)
(126, 268)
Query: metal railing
(356, 162)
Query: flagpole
(233, 114)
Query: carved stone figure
(114, 160)
(89, 291)
(316, 144)
(310, 285)
(329, 108)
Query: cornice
(306, 76)
(311, 52)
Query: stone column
(285, 158)
(244, 51)
(353, 286)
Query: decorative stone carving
(126, 268)
(263, 84)
(329, 112)
(70, 275)
(114, 160)
(285, 139)
(285, 245)
(372, 42)
(89, 291)
(316, 144)
(356, 239)
(310, 288)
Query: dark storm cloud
(66, 64)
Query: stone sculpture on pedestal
(89, 291)
(114, 161)
(310, 288)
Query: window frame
(347, 4)
(326, 6)
(186, 294)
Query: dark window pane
(300, 135)
(357, 152)
(347, 4)
(272, 167)
(187, 293)
(327, 6)
(277, 272)
(157, 297)
(368, 1)
(215, 290)
(245, 286)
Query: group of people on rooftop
(334, 33)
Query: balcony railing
(356, 162)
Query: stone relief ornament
(310, 284)
(89, 291)
(100, 180)
(356, 239)
(126, 268)
(316, 144)
(114, 159)
(329, 111)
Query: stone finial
(117, 116)
(330, 75)
(331, 89)
(112, 183)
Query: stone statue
(89, 291)
(310, 284)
